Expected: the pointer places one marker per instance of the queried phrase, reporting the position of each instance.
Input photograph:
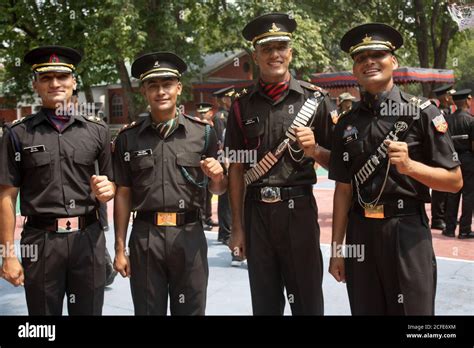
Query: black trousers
(224, 215)
(71, 264)
(207, 204)
(168, 261)
(438, 206)
(104, 222)
(467, 194)
(397, 273)
(283, 251)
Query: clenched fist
(103, 189)
(306, 141)
(213, 169)
(398, 155)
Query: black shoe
(211, 223)
(468, 235)
(447, 234)
(236, 261)
(438, 225)
(110, 274)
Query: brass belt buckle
(166, 219)
(270, 194)
(374, 212)
(67, 225)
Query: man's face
(374, 70)
(346, 105)
(161, 93)
(273, 59)
(54, 88)
(226, 102)
(206, 116)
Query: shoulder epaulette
(195, 119)
(310, 86)
(128, 126)
(94, 119)
(19, 121)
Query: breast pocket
(38, 167)
(253, 132)
(354, 149)
(142, 168)
(189, 165)
(84, 161)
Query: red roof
(400, 76)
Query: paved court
(229, 294)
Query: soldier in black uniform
(438, 199)
(162, 164)
(204, 111)
(387, 151)
(50, 158)
(461, 128)
(223, 97)
(280, 235)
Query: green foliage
(109, 32)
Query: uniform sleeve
(121, 163)
(471, 128)
(10, 174)
(338, 165)
(212, 146)
(105, 155)
(323, 126)
(438, 148)
(234, 139)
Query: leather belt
(270, 194)
(62, 224)
(167, 218)
(390, 209)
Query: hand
(306, 141)
(213, 169)
(103, 189)
(398, 155)
(122, 264)
(337, 268)
(12, 271)
(237, 243)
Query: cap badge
(367, 39)
(274, 28)
(156, 65)
(53, 58)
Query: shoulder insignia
(310, 86)
(440, 123)
(415, 101)
(128, 126)
(425, 104)
(18, 121)
(94, 119)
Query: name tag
(36, 148)
(251, 121)
(350, 138)
(141, 153)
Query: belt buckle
(67, 225)
(270, 194)
(166, 219)
(374, 211)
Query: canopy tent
(402, 75)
